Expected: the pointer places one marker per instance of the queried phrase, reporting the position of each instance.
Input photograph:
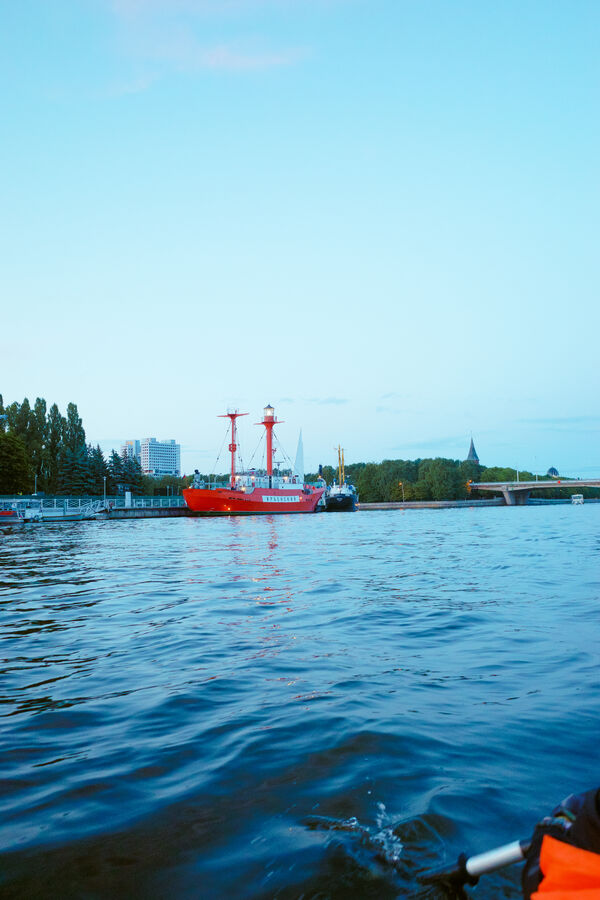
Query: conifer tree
(55, 430)
(73, 469)
(15, 474)
(115, 471)
(74, 472)
(132, 474)
(98, 470)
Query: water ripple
(181, 699)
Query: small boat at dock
(10, 515)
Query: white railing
(144, 502)
(73, 504)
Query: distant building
(472, 457)
(159, 458)
(132, 449)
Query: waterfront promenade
(174, 507)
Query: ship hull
(346, 503)
(260, 501)
(9, 517)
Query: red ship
(249, 493)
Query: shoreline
(455, 504)
(430, 504)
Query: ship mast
(269, 421)
(233, 445)
(341, 469)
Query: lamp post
(401, 484)
(35, 485)
(104, 477)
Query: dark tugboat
(341, 497)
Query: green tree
(115, 472)
(38, 436)
(18, 420)
(15, 473)
(74, 472)
(98, 470)
(54, 439)
(74, 475)
(73, 432)
(468, 471)
(441, 478)
(370, 484)
(405, 475)
(132, 473)
(172, 485)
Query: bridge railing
(546, 484)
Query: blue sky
(381, 217)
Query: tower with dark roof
(472, 457)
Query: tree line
(431, 479)
(43, 450)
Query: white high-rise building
(160, 457)
(131, 448)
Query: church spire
(472, 457)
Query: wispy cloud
(392, 395)
(448, 443)
(216, 7)
(327, 401)
(147, 7)
(135, 85)
(179, 49)
(178, 35)
(563, 420)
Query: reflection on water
(286, 706)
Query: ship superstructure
(250, 492)
(341, 496)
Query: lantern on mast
(269, 421)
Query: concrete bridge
(516, 493)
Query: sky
(380, 216)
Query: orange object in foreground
(569, 872)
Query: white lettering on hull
(295, 498)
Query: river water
(291, 706)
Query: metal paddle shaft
(468, 869)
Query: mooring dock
(144, 508)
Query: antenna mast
(232, 446)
